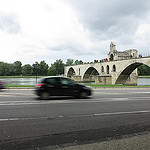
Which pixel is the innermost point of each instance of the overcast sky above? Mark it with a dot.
(36, 30)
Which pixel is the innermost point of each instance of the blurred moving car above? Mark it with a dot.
(2, 85)
(61, 86)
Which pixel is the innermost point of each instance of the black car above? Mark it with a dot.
(60, 86)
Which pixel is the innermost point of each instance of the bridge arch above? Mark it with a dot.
(124, 75)
(91, 71)
(71, 72)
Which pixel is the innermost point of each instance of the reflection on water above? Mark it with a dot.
(20, 81)
(32, 81)
(143, 81)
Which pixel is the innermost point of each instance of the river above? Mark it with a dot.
(32, 81)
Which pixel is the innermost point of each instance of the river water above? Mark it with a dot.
(32, 81)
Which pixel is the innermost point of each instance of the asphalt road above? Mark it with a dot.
(27, 122)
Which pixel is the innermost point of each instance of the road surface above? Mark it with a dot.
(28, 122)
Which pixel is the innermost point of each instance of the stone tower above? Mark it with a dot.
(112, 46)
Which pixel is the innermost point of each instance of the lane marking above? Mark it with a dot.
(121, 113)
(72, 101)
(73, 116)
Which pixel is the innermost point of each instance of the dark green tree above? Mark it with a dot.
(43, 68)
(40, 68)
(143, 70)
(5, 69)
(36, 68)
(17, 68)
(57, 68)
(27, 70)
(78, 62)
(69, 62)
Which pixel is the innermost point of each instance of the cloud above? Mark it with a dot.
(9, 24)
(47, 30)
(116, 19)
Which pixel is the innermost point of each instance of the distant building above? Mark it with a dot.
(120, 55)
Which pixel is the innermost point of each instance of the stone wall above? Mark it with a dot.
(103, 80)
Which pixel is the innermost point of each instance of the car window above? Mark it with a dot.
(66, 81)
(51, 81)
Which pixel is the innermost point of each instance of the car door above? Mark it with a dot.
(66, 87)
(53, 86)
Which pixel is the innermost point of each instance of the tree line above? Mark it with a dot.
(37, 68)
(43, 69)
(143, 70)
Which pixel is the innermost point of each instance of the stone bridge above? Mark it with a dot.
(119, 68)
(111, 72)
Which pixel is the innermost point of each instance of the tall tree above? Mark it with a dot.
(143, 70)
(27, 70)
(43, 68)
(36, 68)
(17, 66)
(5, 69)
(57, 68)
(69, 62)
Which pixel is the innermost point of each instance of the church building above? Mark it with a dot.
(120, 55)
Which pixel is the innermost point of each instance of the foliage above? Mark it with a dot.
(27, 70)
(78, 62)
(69, 62)
(143, 70)
(57, 68)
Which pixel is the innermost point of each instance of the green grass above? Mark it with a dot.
(94, 85)
(143, 76)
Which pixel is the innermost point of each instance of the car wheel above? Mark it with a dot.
(83, 94)
(44, 95)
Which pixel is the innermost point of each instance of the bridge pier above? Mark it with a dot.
(103, 79)
(76, 78)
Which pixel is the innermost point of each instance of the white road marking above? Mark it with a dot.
(74, 116)
(121, 113)
(71, 101)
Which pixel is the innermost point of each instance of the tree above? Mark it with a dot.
(5, 69)
(36, 68)
(69, 62)
(17, 68)
(78, 62)
(27, 70)
(143, 70)
(40, 68)
(57, 68)
(43, 68)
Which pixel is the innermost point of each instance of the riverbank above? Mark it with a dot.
(148, 76)
(144, 76)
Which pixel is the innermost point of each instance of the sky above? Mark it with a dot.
(36, 30)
